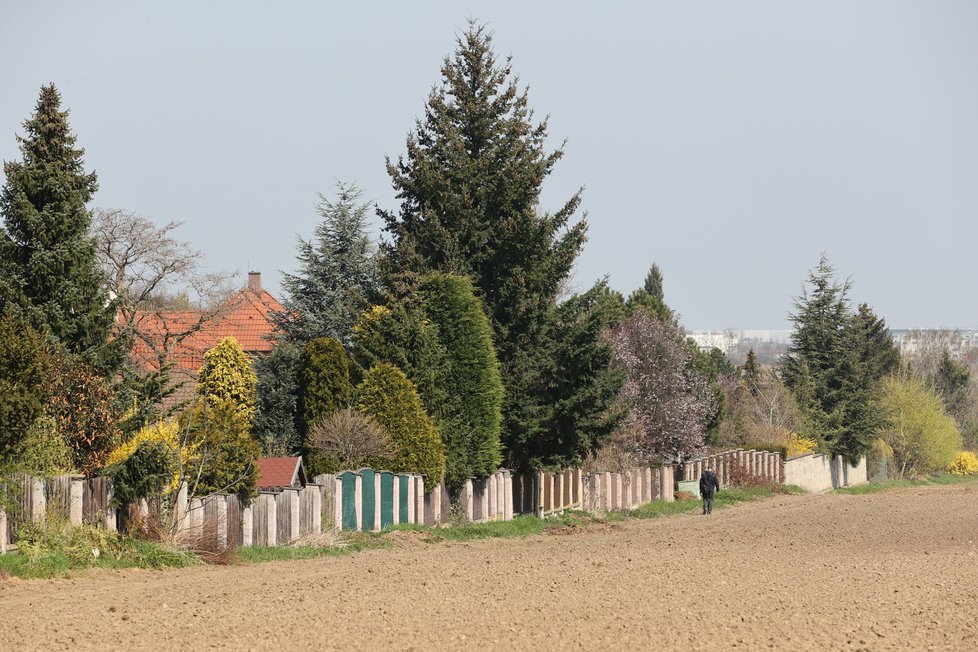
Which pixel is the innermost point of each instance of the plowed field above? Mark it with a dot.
(895, 570)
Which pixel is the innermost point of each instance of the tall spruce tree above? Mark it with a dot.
(337, 278)
(827, 370)
(47, 253)
(651, 298)
(469, 188)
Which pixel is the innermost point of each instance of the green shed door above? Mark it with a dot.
(369, 500)
(386, 499)
(348, 482)
(402, 508)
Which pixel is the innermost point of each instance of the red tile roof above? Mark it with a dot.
(248, 320)
(276, 472)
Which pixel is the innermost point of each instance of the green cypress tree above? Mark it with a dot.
(653, 283)
(470, 418)
(47, 253)
(391, 399)
(650, 297)
(337, 277)
(470, 188)
(324, 381)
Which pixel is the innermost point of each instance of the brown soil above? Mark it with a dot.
(896, 570)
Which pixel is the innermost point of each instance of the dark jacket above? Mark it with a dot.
(709, 483)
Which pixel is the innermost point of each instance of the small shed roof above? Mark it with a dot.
(281, 472)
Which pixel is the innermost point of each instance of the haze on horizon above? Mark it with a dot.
(730, 143)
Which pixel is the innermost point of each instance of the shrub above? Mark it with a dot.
(44, 451)
(471, 416)
(388, 396)
(143, 474)
(966, 463)
(348, 440)
(923, 437)
(795, 444)
(227, 376)
(224, 453)
(165, 433)
(23, 381)
(325, 380)
(81, 404)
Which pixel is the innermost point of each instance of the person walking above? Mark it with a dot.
(709, 484)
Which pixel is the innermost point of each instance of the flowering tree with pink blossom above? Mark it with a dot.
(665, 398)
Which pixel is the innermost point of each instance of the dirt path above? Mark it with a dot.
(897, 570)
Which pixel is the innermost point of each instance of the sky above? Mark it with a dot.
(730, 142)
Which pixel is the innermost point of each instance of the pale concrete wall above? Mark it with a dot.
(823, 472)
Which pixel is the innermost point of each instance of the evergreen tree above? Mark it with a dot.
(337, 277)
(879, 352)
(390, 398)
(277, 394)
(952, 382)
(227, 376)
(469, 420)
(324, 381)
(827, 370)
(469, 189)
(24, 369)
(584, 384)
(402, 335)
(651, 298)
(653, 283)
(751, 372)
(47, 254)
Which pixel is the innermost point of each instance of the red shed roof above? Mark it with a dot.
(276, 472)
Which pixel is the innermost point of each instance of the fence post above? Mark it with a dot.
(419, 515)
(271, 523)
(493, 500)
(38, 500)
(222, 521)
(396, 499)
(180, 516)
(358, 500)
(108, 519)
(507, 495)
(3, 532)
(247, 526)
(75, 503)
(337, 503)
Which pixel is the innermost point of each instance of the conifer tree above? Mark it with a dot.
(751, 371)
(469, 419)
(324, 381)
(827, 370)
(651, 298)
(469, 188)
(337, 278)
(388, 396)
(227, 376)
(277, 396)
(47, 253)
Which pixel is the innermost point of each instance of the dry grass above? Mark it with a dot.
(326, 539)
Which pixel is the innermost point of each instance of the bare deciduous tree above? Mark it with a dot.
(351, 438)
(164, 295)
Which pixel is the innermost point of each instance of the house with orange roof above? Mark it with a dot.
(184, 336)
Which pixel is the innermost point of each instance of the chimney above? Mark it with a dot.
(254, 282)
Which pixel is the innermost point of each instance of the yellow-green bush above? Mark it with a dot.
(227, 375)
(391, 399)
(966, 463)
(796, 444)
(165, 432)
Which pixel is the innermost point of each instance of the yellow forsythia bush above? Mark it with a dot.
(966, 463)
(167, 432)
(796, 445)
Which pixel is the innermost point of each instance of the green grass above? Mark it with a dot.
(33, 561)
(350, 542)
(876, 487)
(724, 498)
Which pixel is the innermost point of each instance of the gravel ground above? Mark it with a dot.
(893, 570)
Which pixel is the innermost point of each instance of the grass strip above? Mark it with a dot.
(876, 487)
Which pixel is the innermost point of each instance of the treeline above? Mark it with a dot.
(449, 348)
